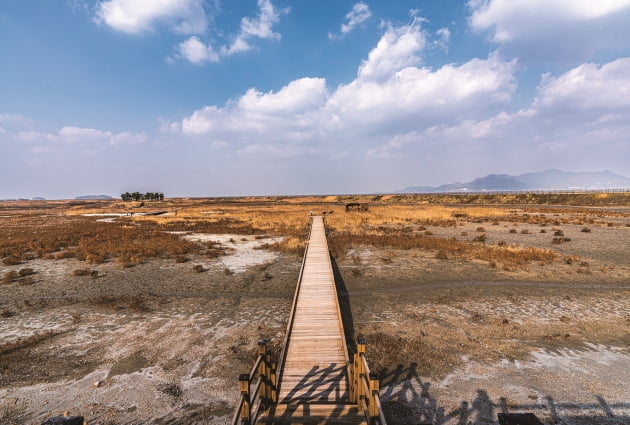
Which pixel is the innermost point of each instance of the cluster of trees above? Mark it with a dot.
(137, 196)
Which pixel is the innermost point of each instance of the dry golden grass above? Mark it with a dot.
(389, 223)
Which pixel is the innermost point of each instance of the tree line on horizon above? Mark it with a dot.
(137, 196)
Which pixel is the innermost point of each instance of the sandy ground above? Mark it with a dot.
(455, 341)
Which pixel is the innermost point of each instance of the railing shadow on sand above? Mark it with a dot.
(407, 400)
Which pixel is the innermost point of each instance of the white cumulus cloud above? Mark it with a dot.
(135, 16)
(573, 116)
(359, 13)
(390, 92)
(556, 30)
(195, 51)
(198, 52)
(259, 27)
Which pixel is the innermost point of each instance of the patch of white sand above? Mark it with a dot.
(247, 251)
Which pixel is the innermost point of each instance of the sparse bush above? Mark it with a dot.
(267, 276)
(26, 272)
(513, 231)
(428, 233)
(481, 229)
(441, 255)
(85, 272)
(9, 276)
(558, 233)
(198, 268)
(356, 272)
(543, 231)
(11, 260)
(524, 232)
(495, 223)
(481, 238)
(464, 233)
(181, 259)
(501, 243)
(228, 271)
(585, 230)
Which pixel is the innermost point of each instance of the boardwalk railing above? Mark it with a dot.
(265, 392)
(365, 386)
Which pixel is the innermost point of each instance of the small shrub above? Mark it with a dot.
(441, 255)
(26, 272)
(481, 238)
(495, 223)
(9, 276)
(5, 314)
(585, 230)
(428, 233)
(228, 271)
(464, 233)
(524, 232)
(493, 264)
(181, 259)
(85, 272)
(558, 233)
(267, 276)
(64, 254)
(501, 243)
(94, 259)
(198, 268)
(543, 231)
(513, 231)
(356, 272)
(11, 260)
(481, 229)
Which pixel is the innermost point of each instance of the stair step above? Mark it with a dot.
(313, 414)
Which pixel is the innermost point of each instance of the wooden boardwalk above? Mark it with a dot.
(316, 356)
(313, 381)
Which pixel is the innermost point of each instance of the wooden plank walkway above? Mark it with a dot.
(313, 381)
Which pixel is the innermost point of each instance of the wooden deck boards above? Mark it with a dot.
(314, 377)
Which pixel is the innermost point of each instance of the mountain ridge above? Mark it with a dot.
(551, 179)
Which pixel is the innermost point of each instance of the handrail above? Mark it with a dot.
(364, 386)
(264, 392)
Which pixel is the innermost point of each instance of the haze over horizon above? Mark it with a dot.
(216, 98)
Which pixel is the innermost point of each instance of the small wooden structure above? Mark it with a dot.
(358, 206)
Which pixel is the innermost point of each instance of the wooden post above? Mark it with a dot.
(246, 410)
(262, 369)
(352, 394)
(359, 370)
(274, 383)
(374, 389)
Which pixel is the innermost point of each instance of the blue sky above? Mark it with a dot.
(211, 98)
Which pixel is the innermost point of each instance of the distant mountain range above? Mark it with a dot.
(543, 180)
(91, 197)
